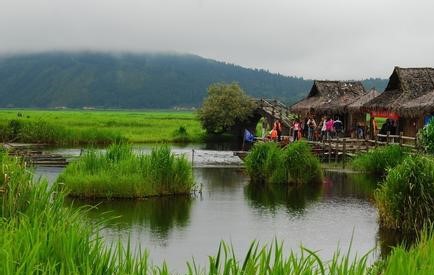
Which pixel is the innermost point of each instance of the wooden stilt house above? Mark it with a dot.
(331, 98)
(409, 96)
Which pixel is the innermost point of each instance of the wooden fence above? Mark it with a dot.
(340, 149)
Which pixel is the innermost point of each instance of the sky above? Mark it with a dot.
(319, 39)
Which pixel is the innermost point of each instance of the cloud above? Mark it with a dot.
(333, 39)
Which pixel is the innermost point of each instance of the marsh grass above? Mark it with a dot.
(120, 173)
(377, 161)
(405, 200)
(39, 235)
(301, 165)
(295, 164)
(78, 127)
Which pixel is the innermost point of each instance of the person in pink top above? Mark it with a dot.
(329, 128)
(296, 129)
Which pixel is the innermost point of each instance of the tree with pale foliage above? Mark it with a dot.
(226, 107)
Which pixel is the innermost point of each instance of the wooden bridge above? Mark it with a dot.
(341, 149)
(272, 110)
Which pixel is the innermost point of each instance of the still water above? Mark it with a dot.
(176, 229)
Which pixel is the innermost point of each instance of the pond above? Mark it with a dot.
(176, 229)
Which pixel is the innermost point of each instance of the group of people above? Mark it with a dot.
(326, 128)
(276, 132)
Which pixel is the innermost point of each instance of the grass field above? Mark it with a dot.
(70, 127)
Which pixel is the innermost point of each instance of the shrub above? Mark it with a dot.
(406, 198)
(377, 161)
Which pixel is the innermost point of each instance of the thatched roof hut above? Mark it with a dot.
(408, 92)
(329, 97)
(357, 105)
(419, 106)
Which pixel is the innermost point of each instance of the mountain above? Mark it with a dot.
(106, 80)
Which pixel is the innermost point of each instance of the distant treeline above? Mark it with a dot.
(105, 80)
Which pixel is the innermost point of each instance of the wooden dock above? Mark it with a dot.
(32, 155)
(343, 149)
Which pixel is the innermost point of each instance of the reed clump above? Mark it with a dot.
(294, 165)
(120, 173)
(418, 259)
(405, 200)
(38, 235)
(377, 161)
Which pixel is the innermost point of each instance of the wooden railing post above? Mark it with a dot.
(366, 143)
(400, 138)
(344, 152)
(336, 149)
(330, 150)
(387, 138)
(376, 141)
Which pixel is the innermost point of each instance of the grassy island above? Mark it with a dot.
(294, 165)
(120, 173)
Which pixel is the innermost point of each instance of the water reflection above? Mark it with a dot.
(355, 185)
(296, 199)
(156, 215)
(272, 198)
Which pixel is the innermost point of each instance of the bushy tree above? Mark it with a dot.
(226, 106)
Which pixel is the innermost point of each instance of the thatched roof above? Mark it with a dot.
(357, 105)
(329, 97)
(419, 106)
(405, 88)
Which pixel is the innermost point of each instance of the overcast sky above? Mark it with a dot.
(322, 39)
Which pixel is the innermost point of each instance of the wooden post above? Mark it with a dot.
(400, 138)
(366, 143)
(416, 141)
(336, 149)
(387, 138)
(344, 151)
(376, 142)
(192, 157)
(330, 150)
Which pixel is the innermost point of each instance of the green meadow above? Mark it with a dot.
(74, 127)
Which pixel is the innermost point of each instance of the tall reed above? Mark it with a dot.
(405, 200)
(120, 173)
(377, 161)
(294, 165)
(301, 165)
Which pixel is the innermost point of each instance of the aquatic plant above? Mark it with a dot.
(120, 173)
(377, 161)
(262, 162)
(294, 165)
(418, 259)
(405, 200)
(181, 135)
(300, 164)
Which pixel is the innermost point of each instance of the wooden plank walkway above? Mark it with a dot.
(32, 156)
